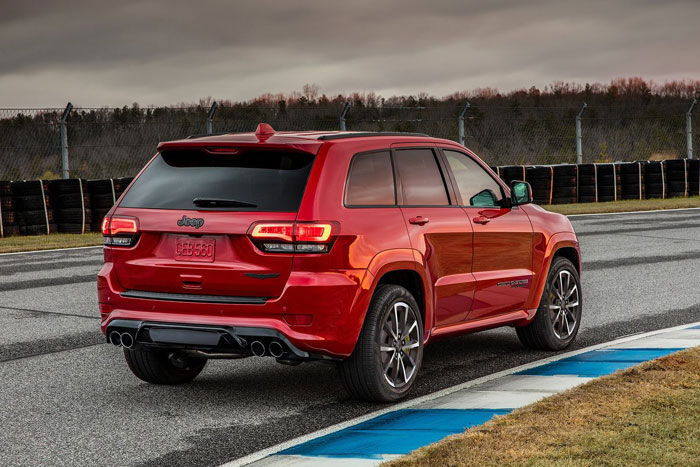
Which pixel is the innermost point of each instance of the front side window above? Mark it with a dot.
(421, 179)
(475, 185)
(371, 181)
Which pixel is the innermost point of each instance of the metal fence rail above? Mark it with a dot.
(117, 142)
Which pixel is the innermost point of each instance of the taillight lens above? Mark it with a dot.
(120, 231)
(291, 237)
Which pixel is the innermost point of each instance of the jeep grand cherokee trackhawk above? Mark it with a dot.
(354, 248)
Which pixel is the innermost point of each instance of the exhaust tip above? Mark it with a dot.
(115, 338)
(127, 340)
(276, 349)
(257, 348)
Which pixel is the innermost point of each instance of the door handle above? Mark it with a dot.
(481, 220)
(420, 220)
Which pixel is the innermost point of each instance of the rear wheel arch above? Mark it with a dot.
(410, 280)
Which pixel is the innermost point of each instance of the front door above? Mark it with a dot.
(502, 261)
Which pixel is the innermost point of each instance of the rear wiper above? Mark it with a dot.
(222, 203)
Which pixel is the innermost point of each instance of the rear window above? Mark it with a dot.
(371, 181)
(254, 180)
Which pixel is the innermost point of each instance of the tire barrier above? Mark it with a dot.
(600, 182)
(654, 179)
(607, 182)
(71, 201)
(676, 178)
(565, 184)
(40, 207)
(541, 179)
(32, 207)
(632, 180)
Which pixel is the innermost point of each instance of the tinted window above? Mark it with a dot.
(271, 180)
(476, 186)
(420, 178)
(371, 181)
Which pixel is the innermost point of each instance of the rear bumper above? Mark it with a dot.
(335, 300)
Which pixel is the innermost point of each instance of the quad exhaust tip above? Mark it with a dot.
(257, 348)
(127, 340)
(276, 349)
(115, 338)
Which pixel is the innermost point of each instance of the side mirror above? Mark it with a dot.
(520, 193)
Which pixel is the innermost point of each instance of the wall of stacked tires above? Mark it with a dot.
(594, 183)
(39, 207)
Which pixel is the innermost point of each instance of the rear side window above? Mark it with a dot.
(475, 185)
(371, 181)
(421, 179)
(252, 180)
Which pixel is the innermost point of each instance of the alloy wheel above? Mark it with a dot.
(399, 342)
(564, 304)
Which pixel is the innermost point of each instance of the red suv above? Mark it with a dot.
(354, 248)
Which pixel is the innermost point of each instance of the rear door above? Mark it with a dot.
(438, 230)
(502, 263)
(202, 247)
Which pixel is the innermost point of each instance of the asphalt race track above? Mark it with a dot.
(69, 399)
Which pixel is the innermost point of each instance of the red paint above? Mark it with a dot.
(319, 301)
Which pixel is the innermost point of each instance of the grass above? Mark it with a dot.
(48, 242)
(625, 205)
(646, 415)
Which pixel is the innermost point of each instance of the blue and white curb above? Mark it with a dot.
(402, 428)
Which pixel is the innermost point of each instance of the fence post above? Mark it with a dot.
(210, 117)
(461, 123)
(64, 141)
(689, 128)
(579, 146)
(346, 107)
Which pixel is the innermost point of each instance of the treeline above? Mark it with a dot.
(627, 119)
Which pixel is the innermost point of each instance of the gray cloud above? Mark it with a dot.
(161, 52)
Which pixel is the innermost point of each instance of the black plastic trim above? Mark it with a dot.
(183, 297)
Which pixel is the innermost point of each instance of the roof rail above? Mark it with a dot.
(368, 133)
(204, 135)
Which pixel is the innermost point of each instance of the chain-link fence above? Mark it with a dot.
(117, 142)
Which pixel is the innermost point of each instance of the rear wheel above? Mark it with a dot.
(558, 317)
(160, 366)
(389, 351)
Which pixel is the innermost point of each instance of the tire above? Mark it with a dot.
(366, 373)
(31, 202)
(65, 186)
(76, 228)
(159, 366)
(72, 216)
(71, 200)
(28, 188)
(7, 203)
(547, 330)
(560, 192)
(101, 201)
(99, 187)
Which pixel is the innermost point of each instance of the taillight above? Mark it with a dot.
(120, 231)
(291, 237)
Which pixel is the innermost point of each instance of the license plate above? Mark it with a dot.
(200, 249)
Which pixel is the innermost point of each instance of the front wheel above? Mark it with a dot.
(389, 351)
(160, 366)
(558, 317)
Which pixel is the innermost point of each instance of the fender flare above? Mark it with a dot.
(555, 243)
(382, 263)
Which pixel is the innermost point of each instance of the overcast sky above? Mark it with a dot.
(107, 53)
